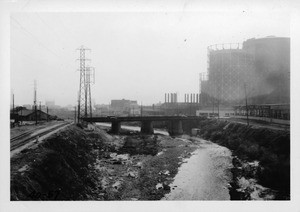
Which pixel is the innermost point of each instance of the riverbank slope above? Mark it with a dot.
(266, 151)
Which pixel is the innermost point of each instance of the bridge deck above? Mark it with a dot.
(141, 118)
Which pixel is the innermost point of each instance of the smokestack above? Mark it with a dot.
(165, 97)
(168, 97)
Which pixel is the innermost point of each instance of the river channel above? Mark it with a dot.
(204, 176)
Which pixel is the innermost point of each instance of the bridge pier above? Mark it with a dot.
(115, 127)
(175, 127)
(147, 127)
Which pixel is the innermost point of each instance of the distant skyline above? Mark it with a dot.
(136, 55)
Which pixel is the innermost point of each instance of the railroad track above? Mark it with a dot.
(24, 138)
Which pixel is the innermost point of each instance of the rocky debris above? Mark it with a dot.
(117, 185)
(105, 167)
(160, 153)
(166, 187)
(159, 186)
(138, 164)
(163, 186)
(23, 168)
(254, 191)
(165, 172)
(132, 174)
(104, 183)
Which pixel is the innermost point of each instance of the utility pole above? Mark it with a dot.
(213, 106)
(13, 109)
(246, 104)
(219, 102)
(177, 105)
(47, 114)
(75, 115)
(40, 114)
(21, 118)
(34, 102)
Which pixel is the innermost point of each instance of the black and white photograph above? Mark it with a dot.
(180, 103)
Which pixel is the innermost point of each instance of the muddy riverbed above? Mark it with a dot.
(84, 164)
(204, 176)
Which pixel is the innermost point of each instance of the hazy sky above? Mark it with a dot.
(136, 55)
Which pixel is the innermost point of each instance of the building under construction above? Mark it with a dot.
(258, 69)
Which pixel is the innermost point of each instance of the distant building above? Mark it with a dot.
(101, 110)
(29, 115)
(28, 106)
(123, 106)
(50, 104)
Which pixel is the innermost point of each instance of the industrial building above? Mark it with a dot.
(275, 113)
(272, 69)
(230, 70)
(258, 69)
(123, 106)
(29, 115)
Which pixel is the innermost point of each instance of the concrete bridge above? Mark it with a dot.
(175, 122)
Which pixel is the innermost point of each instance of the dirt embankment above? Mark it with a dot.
(91, 165)
(262, 157)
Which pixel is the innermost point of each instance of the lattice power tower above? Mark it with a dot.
(87, 77)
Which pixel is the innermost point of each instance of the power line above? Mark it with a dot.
(37, 40)
(53, 31)
(34, 37)
(32, 58)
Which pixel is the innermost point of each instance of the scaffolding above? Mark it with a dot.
(230, 68)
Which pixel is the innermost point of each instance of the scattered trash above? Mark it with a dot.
(23, 168)
(117, 185)
(104, 183)
(166, 187)
(139, 164)
(166, 172)
(132, 174)
(159, 186)
(160, 153)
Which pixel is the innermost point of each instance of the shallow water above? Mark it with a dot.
(204, 176)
